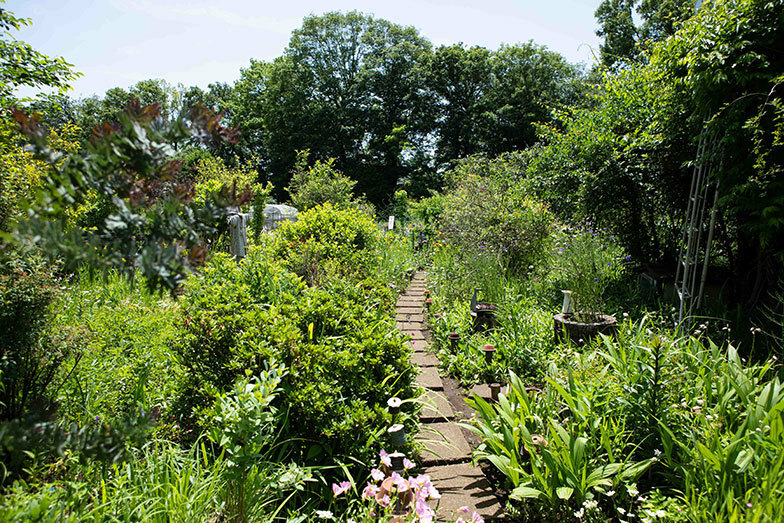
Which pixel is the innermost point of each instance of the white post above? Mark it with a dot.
(567, 303)
(391, 224)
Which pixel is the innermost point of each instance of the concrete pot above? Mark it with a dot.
(566, 326)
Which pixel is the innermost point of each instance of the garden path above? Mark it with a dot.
(447, 455)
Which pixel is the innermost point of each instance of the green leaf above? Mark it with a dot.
(564, 492)
(523, 492)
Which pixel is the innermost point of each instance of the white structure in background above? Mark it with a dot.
(275, 215)
(391, 224)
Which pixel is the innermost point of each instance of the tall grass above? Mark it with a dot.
(127, 363)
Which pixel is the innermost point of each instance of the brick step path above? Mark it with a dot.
(447, 455)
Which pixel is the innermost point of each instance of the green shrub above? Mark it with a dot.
(328, 241)
(344, 357)
(31, 352)
(587, 262)
(494, 214)
(319, 184)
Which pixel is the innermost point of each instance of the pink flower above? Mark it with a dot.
(377, 475)
(339, 489)
(399, 482)
(370, 491)
(423, 511)
(476, 518)
(385, 500)
(407, 464)
(419, 481)
(385, 458)
(463, 509)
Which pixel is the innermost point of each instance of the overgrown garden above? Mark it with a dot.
(147, 374)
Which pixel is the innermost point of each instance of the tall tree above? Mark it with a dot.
(489, 101)
(348, 86)
(21, 65)
(460, 79)
(623, 39)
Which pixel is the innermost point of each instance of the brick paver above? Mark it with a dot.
(446, 456)
(463, 485)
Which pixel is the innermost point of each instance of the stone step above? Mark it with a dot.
(409, 302)
(409, 310)
(429, 378)
(409, 316)
(414, 334)
(424, 359)
(463, 485)
(444, 444)
(406, 326)
(435, 408)
(419, 345)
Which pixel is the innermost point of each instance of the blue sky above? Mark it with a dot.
(196, 42)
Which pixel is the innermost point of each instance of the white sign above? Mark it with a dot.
(391, 223)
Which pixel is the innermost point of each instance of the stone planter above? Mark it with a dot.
(566, 326)
(483, 318)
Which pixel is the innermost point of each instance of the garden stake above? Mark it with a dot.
(489, 353)
(397, 435)
(403, 498)
(453, 339)
(394, 404)
(495, 389)
(397, 462)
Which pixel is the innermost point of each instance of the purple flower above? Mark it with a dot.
(628, 257)
(385, 459)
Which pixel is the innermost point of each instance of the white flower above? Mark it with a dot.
(621, 511)
(579, 514)
(656, 452)
(611, 493)
(324, 514)
(632, 491)
(590, 504)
